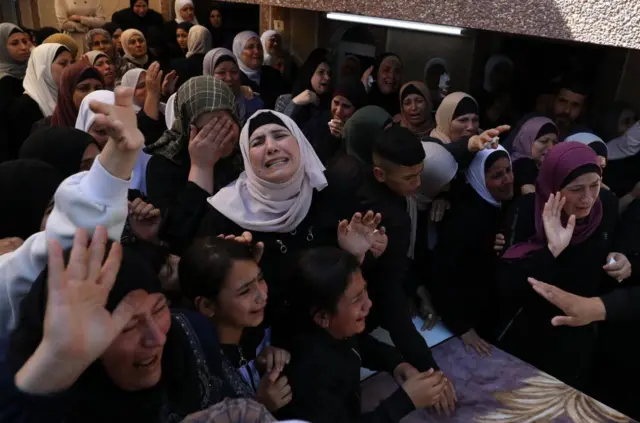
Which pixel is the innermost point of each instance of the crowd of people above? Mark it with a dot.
(195, 226)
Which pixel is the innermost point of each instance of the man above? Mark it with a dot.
(568, 106)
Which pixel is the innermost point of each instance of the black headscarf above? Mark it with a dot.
(26, 188)
(220, 35)
(44, 33)
(353, 90)
(607, 124)
(111, 27)
(389, 102)
(94, 397)
(61, 147)
(303, 82)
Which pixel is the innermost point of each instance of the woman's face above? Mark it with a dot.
(390, 75)
(140, 8)
(625, 121)
(89, 156)
(140, 92)
(464, 126)
(107, 69)
(321, 79)
(204, 118)
(63, 60)
(543, 146)
(602, 162)
(84, 88)
(19, 47)
(252, 55)
(243, 298)
(499, 179)
(133, 361)
(215, 18)
(101, 43)
(581, 194)
(137, 45)
(116, 38)
(182, 37)
(273, 44)
(341, 108)
(228, 72)
(414, 108)
(186, 13)
(274, 153)
(352, 310)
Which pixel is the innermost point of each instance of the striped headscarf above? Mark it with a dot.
(195, 97)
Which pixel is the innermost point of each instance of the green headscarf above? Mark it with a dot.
(362, 129)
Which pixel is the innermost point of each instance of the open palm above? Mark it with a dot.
(358, 235)
(558, 235)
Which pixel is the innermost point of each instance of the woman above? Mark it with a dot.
(41, 82)
(330, 350)
(262, 79)
(271, 43)
(326, 130)
(15, 49)
(146, 364)
(77, 19)
(465, 240)
(78, 80)
(182, 36)
(222, 280)
(198, 44)
(184, 12)
(563, 234)
(68, 150)
(223, 65)
(495, 99)
(530, 143)
(311, 93)
(105, 66)
(30, 184)
(595, 143)
(415, 109)
(87, 123)
(115, 31)
(384, 83)
(216, 25)
(200, 103)
(620, 128)
(66, 41)
(99, 40)
(134, 45)
(436, 76)
(138, 16)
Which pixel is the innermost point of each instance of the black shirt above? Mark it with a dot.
(272, 85)
(525, 172)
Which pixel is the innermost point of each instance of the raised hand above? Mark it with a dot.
(471, 339)
(247, 238)
(618, 266)
(357, 236)
(558, 236)
(119, 120)
(77, 327)
(336, 127)
(486, 139)
(365, 77)
(380, 242)
(169, 84)
(306, 97)
(144, 219)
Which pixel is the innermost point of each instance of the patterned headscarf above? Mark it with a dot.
(198, 95)
(232, 410)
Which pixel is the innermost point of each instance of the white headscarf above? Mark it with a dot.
(38, 82)
(130, 80)
(238, 46)
(440, 167)
(433, 62)
(212, 57)
(626, 145)
(263, 38)
(85, 115)
(587, 138)
(94, 55)
(493, 61)
(199, 40)
(169, 112)
(476, 176)
(179, 5)
(8, 66)
(257, 205)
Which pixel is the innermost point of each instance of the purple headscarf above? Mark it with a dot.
(560, 162)
(527, 135)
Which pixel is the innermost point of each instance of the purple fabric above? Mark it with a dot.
(560, 162)
(523, 142)
(500, 388)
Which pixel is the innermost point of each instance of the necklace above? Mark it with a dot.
(243, 361)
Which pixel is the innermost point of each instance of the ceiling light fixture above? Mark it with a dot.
(395, 23)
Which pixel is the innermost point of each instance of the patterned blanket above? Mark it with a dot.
(498, 389)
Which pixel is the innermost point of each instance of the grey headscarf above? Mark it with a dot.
(8, 66)
(362, 128)
(198, 95)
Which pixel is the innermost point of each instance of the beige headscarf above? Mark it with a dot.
(124, 38)
(258, 205)
(427, 125)
(444, 116)
(199, 40)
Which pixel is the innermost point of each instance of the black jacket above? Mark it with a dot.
(272, 85)
(127, 20)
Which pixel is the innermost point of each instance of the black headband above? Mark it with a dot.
(600, 148)
(411, 89)
(466, 106)
(494, 157)
(225, 58)
(264, 119)
(546, 129)
(579, 171)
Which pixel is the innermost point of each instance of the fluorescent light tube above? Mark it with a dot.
(395, 23)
